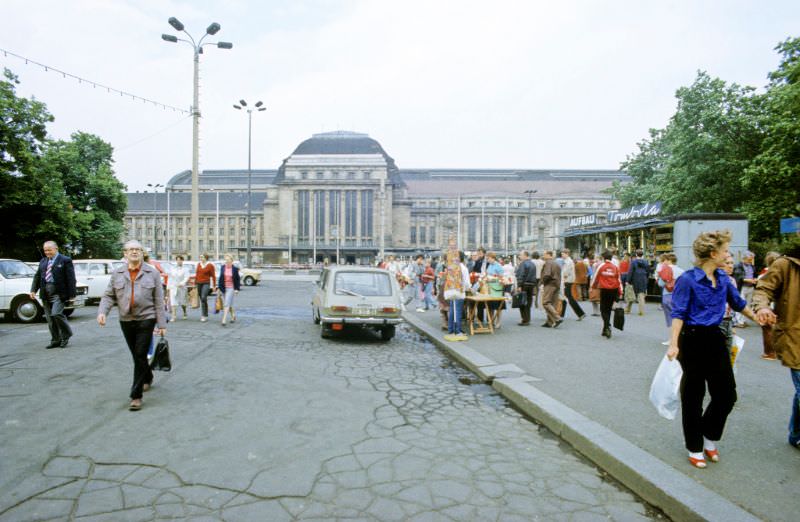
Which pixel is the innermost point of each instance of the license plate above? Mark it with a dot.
(363, 310)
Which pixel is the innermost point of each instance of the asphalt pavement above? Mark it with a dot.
(608, 381)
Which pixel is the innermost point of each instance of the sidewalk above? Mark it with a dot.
(593, 392)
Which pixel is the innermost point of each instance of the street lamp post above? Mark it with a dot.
(258, 107)
(155, 217)
(197, 47)
(530, 194)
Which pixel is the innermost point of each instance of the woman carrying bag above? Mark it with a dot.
(698, 306)
(229, 284)
(607, 279)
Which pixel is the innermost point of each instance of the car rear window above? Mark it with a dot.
(362, 283)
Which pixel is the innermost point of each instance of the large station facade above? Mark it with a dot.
(340, 196)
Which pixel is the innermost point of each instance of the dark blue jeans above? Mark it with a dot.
(454, 315)
(794, 421)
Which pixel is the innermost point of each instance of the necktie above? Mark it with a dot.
(48, 275)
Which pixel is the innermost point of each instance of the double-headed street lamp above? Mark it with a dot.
(155, 187)
(197, 46)
(258, 108)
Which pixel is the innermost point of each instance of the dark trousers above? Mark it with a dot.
(607, 299)
(54, 313)
(203, 289)
(572, 302)
(705, 360)
(139, 336)
(525, 311)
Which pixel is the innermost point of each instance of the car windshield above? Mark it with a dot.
(12, 269)
(362, 283)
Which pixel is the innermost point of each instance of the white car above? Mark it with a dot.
(96, 274)
(16, 279)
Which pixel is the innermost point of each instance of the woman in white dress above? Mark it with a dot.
(176, 285)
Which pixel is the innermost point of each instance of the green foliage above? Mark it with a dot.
(726, 149)
(61, 191)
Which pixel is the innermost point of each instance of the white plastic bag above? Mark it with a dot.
(664, 390)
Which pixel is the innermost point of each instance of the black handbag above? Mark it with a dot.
(519, 300)
(161, 359)
(619, 318)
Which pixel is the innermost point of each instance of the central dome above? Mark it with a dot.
(339, 142)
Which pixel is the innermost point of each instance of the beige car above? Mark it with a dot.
(248, 276)
(16, 279)
(364, 297)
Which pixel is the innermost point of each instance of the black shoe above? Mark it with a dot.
(64, 342)
(580, 318)
(547, 325)
(53, 344)
(523, 323)
(558, 323)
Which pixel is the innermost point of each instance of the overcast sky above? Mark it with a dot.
(567, 84)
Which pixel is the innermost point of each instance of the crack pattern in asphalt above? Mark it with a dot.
(436, 449)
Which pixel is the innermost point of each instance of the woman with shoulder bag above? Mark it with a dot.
(607, 279)
(228, 284)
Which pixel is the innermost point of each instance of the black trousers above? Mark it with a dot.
(572, 302)
(203, 289)
(705, 361)
(139, 336)
(54, 313)
(525, 311)
(607, 299)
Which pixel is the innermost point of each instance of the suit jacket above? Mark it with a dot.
(63, 277)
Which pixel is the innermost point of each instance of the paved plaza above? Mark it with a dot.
(608, 381)
(263, 420)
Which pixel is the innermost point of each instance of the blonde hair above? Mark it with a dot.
(228, 256)
(709, 242)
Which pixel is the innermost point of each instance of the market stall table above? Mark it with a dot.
(471, 304)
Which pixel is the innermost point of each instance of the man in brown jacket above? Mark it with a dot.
(551, 284)
(136, 290)
(781, 286)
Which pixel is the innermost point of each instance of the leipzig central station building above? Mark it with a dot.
(340, 197)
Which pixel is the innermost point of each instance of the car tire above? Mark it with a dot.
(249, 281)
(26, 310)
(387, 332)
(315, 313)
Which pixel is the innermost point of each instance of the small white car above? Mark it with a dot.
(16, 279)
(96, 274)
(366, 297)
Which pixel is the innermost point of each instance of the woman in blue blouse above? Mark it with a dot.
(698, 306)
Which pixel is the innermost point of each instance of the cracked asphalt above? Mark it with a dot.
(263, 420)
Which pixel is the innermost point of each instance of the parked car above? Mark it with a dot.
(365, 297)
(96, 273)
(16, 279)
(249, 276)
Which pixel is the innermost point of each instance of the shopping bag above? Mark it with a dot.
(194, 299)
(161, 360)
(519, 300)
(594, 295)
(736, 349)
(218, 304)
(619, 318)
(664, 389)
(629, 293)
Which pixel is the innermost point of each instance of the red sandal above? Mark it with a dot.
(697, 463)
(713, 455)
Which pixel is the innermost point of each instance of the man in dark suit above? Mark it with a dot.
(55, 281)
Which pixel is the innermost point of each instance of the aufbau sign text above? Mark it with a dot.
(582, 221)
(635, 212)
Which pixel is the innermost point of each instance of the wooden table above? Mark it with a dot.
(471, 303)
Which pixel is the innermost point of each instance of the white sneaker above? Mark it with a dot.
(421, 310)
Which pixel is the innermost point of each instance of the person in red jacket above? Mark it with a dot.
(607, 279)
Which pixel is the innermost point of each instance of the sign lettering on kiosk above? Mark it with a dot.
(582, 221)
(635, 212)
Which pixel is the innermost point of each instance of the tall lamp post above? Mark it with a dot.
(530, 194)
(155, 217)
(258, 107)
(197, 46)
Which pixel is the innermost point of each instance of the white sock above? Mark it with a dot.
(698, 456)
(709, 444)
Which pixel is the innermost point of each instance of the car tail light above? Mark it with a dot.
(389, 310)
(340, 308)
(337, 326)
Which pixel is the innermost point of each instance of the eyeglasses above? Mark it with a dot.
(133, 250)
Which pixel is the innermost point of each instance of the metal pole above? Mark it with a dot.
(249, 176)
(155, 226)
(383, 218)
(313, 204)
(291, 225)
(506, 227)
(458, 241)
(217, 249)
(169, 231)
(195, 252)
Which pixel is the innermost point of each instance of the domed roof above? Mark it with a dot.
(339, 142)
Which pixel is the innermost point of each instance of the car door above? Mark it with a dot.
(100, 275)
(319, 291)
(82, 277)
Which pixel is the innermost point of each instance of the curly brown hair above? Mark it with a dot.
(709, 242)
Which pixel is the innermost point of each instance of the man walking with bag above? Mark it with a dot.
(136, 290)
(55, 281)
(551, 284)
(526, 282)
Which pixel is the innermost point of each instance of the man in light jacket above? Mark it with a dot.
(136, 290)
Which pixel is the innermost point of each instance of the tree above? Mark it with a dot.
(96, 196)
(772, 181)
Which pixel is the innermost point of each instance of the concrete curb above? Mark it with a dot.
(658, 483)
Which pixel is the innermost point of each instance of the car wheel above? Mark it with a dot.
(387, 332)
(249, 281)
(26, 310)
(315, 313)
